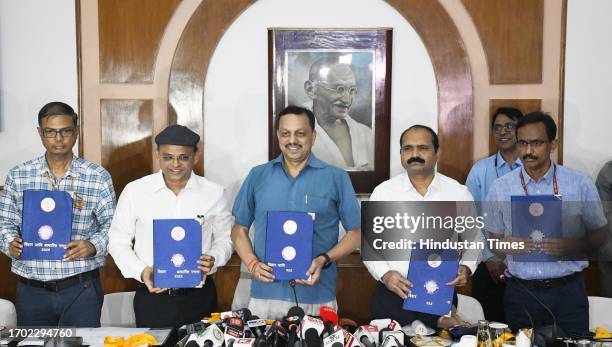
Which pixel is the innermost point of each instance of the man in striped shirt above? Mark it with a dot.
(59, 292)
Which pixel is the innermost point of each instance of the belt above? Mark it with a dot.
(551, 282)
(58, 285)
(170, 291)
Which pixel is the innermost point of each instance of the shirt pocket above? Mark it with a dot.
(319, 205)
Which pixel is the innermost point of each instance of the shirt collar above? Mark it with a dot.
(312, 161)
(435, 183)
(160, 184)
(73, 169)
(501, 162)
(547, 176)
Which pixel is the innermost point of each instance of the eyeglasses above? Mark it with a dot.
(534, 143)
(508, 127)
(52, 133)
(340, 89)
(183, 158)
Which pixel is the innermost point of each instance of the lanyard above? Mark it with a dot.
(555, 186)
(77, 200)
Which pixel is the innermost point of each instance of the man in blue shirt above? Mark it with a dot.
(486, 286)
(296, 181)
(558, 285)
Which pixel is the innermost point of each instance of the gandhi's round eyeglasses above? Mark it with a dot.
(340, 89)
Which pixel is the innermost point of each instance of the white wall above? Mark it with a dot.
(236, 91)
(37, 65)
(588, 86)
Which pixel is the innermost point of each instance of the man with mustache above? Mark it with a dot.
(296, 181)
(558, 285)
(419, 147)
(342, 141)
(486, 286)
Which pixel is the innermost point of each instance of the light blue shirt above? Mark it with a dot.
(581, 211)
(319, 188)
(480, 179)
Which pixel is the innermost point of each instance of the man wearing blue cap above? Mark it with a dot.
(172, 193)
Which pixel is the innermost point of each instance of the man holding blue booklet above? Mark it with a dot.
(550, 276)
(52, 290)
(174, 193)
(296, 181)
(419, 150)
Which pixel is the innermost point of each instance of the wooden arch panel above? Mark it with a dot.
(130, 37)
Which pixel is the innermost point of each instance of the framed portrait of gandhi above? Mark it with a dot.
(344, 77)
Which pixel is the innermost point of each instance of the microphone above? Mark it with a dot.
(330, 320)
(312, 328)
(548, 334)
(277, 333)
(257, 326)
(291, 322)
(348, 325)
(350, 340)
(212, 337)
(234, 329)
(58, 341)
(244, 342)
(392, 340)
(334, 340)
(366, 335)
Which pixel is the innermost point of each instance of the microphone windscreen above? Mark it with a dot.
(296, 311)
(328, 314)
(312, 338)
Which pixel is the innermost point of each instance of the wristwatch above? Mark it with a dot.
(328, 260)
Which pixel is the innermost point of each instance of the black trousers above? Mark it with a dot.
(489, 294)
(386, 304)
(568, 302)
(163, 310)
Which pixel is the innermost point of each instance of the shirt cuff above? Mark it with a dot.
(471, 264)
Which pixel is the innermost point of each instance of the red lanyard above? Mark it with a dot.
(555, 186)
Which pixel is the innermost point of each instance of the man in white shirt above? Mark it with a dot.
(421, 182)
(173, 192)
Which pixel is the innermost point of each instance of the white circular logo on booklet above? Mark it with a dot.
(536, 209)
(177, 260)
(177, 233)
(434, 260)
(290, 227)
(45, 232)
(47, 204)
(288, 253)
(431, 287)
(537, 236)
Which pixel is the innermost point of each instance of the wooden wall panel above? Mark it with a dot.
(191, 59)
(454, 81)
(8, 280)
(512, 35)
(126, 139)
(524, 105)
(129, 33)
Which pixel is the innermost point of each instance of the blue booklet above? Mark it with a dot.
(289, 244)
(177, 247)
(536, 217)
(46, 226)
(429, 272)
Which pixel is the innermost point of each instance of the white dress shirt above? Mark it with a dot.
(362, 146)
(442, 188)
(148, 198)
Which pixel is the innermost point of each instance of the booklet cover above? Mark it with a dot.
(289, 244)
(177, 247)
(429, 272)
(536, 217)
(46, 226)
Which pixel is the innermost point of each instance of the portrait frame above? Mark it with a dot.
(292, 52)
